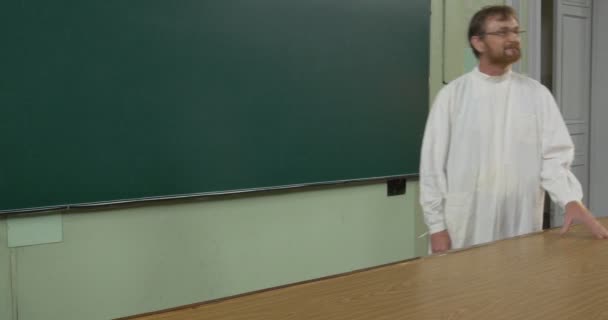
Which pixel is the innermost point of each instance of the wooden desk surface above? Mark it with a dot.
(538, 276)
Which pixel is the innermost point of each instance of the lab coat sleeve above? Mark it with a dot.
(435, 145)
(558, 153)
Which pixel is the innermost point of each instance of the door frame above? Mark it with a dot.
(533, 31)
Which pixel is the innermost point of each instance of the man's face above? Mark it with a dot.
(501, 39)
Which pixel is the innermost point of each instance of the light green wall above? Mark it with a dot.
(5, 284)
(122, 262)
(435, 83)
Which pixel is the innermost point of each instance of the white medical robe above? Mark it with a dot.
(492, 146)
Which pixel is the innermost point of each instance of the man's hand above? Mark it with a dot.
(440, 241)
(576, 211)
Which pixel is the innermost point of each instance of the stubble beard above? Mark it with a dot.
(506, 58)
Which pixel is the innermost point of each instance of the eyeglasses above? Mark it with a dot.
(503, 33)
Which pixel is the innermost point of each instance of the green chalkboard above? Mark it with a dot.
(109, 100)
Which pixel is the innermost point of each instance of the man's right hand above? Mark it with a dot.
(440, 241)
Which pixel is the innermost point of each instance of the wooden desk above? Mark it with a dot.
(538, 276)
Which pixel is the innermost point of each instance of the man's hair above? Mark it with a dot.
(478, 21)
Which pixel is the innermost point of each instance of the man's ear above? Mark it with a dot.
(478, 44)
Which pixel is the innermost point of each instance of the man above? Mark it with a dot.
(495, 141)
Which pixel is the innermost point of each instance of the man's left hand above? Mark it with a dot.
(576, 211)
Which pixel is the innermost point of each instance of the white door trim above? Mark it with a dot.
(572, 81)
(534, 39)
(533, 45)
